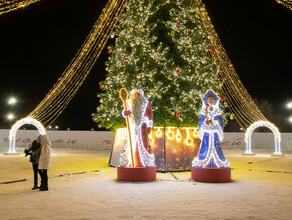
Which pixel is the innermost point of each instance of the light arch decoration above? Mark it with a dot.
(12, 133)
(272, 127)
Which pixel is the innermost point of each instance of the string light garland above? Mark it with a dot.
(241, 104)
(12, 5)
(73, 77)
(286, 3)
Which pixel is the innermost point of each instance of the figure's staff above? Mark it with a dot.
(124, 97)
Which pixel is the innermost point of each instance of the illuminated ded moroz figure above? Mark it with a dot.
(210, 154)
(140, 124)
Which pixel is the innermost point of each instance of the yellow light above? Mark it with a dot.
(170, 133)
(189, 141)
(178, 135)
(151, 139)
(286, 3)
(12, 5)
(196, 132)
(158, 133)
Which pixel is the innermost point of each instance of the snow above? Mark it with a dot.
(261, 189)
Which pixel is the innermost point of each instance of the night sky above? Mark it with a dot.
(38, 42)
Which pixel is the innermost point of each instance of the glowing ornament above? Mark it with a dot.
(101, 87)
(221, 99)
(211, 50)
(123, 60)
(106, 69)
(177, 24)
(109, 51)
(231, 117)
(177, 72)
(119, 20)
(177, 114)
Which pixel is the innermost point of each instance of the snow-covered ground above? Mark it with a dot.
(261, 189)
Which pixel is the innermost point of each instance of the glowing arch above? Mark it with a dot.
(16, 126)
(274, 129)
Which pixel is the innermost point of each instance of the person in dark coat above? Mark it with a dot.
(34, 152)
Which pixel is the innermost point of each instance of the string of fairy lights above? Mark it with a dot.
(12, 5)
(241, 104)
(286, 3)
(73, 77)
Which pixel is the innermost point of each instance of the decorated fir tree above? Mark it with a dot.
(161, 47)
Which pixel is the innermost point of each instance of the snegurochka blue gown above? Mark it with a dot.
(210, 153)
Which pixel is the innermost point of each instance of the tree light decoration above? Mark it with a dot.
(274, 129)
(158, 132)
(151, 139)
(121, 135)
(286, 3)
(178, 136)
(189, 141)
(170, 133)
(17, 125)
(161, 46)
(12, 5)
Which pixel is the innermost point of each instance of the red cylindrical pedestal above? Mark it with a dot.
(136, 174)
(211, 175)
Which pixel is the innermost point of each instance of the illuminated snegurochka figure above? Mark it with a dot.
(141, 122)
(211, 133)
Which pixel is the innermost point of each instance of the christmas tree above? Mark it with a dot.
(160, 46)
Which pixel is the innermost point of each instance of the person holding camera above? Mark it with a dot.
(34, 151)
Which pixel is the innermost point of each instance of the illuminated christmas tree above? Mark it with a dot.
(161, 47)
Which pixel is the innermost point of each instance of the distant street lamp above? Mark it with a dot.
(12, 101)
(56, 127)
(290, 119)
(10, 116)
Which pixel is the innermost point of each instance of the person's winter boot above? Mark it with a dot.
(35, 187)
(42, 183)
(44, 188)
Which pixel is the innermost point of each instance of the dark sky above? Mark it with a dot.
(38, 42)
